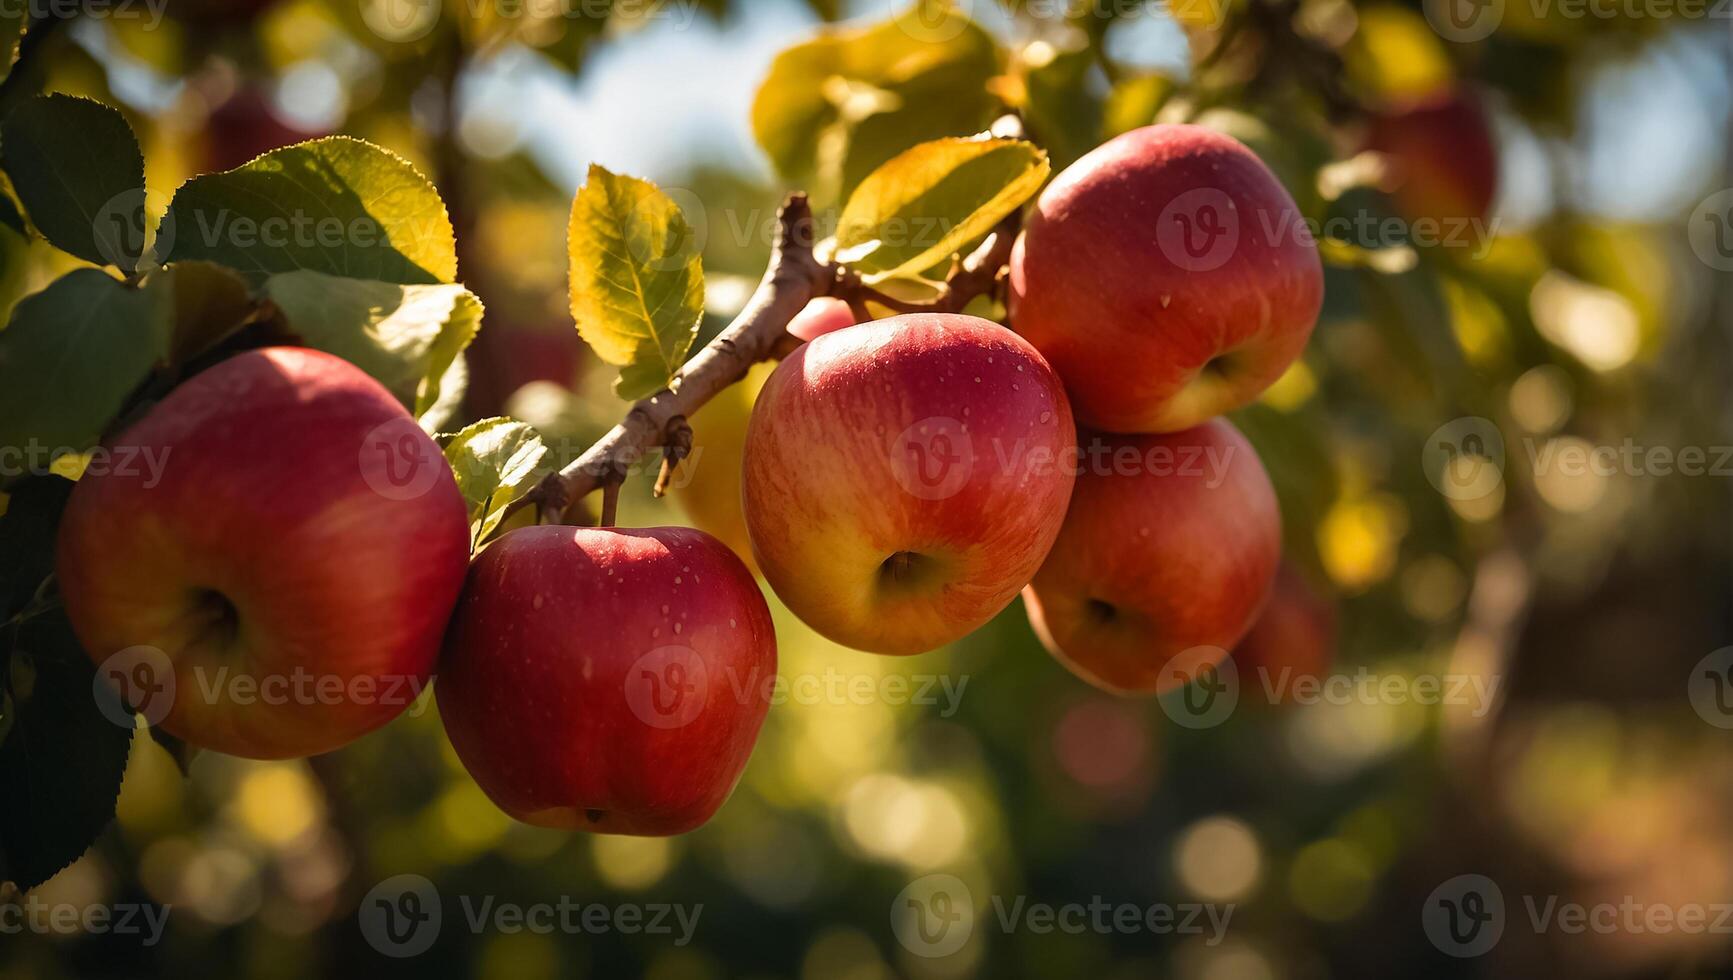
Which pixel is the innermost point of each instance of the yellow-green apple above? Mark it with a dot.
(904, 478)
(1293, 638)
(607, 679)
(821, 316)
(1442, 158)
(288, 564)
(1168, 277)
(1165, 558)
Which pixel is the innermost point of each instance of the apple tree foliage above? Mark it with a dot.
(873, 120)
(374, 283)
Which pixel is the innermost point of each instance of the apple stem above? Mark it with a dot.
(677, 446)
(610, 503)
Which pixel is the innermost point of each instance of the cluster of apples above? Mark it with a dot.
(902, 481)
(905, 479)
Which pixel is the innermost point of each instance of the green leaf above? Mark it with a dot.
(834, 108)
(338, 205)
(62, 760)
(72, 353)
(68, 359)
(496, 461)
(78, 172)
(404, 336)
(925, 204)
(637, 287)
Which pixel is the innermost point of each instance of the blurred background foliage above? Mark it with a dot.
(1582, 317)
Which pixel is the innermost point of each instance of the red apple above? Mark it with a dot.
(288, 540)
(823, 315)
(1168, 277)
(904, 478)
(1293, 638)
(1166, 556)
(607, 679)
(1442, 159)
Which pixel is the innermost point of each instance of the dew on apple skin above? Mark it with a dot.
(536, 603)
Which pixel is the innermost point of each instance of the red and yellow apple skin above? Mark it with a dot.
(1158, 561)
(826, 314)
(905, 477)
(303, 531)
(606, 679)
(1294, 637)
(1168, 277)
(1442, 159)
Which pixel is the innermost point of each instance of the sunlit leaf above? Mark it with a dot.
(405, 336)
(339, 206)
(637, 287)
(928, 202)
(496, 461)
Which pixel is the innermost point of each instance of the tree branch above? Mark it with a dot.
(793, 278)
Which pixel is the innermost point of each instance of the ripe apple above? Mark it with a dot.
(607, 679)
(1168, 277)
(1294, 637)
(821, 316)
(1443, 161)
(1166, 556)
(287, 539)
(904, 478)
